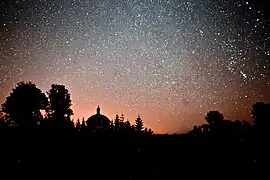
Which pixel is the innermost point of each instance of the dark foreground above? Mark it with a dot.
(47, 153)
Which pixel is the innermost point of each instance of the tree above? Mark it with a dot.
(116, 123)
(73, 122)
(138, 124)
(111, 124)
(83, 125)
(214, 117)
(59, 101)
(261, 115)
(121, 122)
(150, 131)
(127, 125)
(78, 124)
(59, 105)
(122, 118)
(70, 121)
(24, 103)
(133, 128)
(145, 130)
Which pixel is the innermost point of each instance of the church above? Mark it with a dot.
(98, 122)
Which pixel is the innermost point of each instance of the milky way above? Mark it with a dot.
(169, 61)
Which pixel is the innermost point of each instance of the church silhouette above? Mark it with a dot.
(98, 122)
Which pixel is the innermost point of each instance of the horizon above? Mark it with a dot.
(170, 61)
(111, 115)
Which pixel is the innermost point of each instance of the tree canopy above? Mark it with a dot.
(24, 103)
(59, 102)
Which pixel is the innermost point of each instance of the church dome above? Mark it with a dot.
(98, 121)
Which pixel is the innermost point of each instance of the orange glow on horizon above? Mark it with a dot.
(80, 112)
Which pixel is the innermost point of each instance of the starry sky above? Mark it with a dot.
(171, 61)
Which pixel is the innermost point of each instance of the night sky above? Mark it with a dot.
(171, 61)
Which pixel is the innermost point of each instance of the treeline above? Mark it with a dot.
(217, 129)
(118, 124)
(23, 107)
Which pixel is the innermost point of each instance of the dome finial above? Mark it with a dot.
(98, 110)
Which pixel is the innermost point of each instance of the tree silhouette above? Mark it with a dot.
(261, 115)
(78, 124)
(122, 118)
(59, 102)
(70, 121)
(24, 103)
(138, 124)
(122, 123)
(83, 124)
(127, 125)
(111, 127)
(59, 106)
(133, 128)
(214, 117)
(150, 131)
(116, 123)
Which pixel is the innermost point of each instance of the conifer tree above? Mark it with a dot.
(112, 124)
(127, 125)
(83, 124)
(138, 124)
(133, 128)
(122, 118)
(122, 123)
(117, 123)
(145, 130)
(78, 124)
(150, 131)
